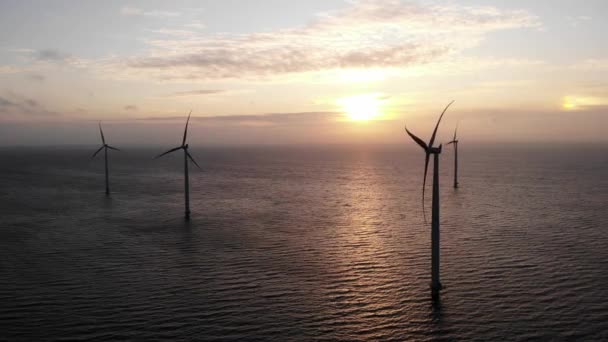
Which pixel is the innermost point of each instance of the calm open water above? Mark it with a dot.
(303, 244)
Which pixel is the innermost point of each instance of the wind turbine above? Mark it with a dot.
(435, 151)
(105, 147)
(187, 156)
(455, 142)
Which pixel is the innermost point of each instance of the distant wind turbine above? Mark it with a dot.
(435, 151)
(187, 156)
(455, 142)
(105, 147)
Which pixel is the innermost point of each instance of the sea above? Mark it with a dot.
(304, 243)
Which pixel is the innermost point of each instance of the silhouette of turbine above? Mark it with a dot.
(105, 147)
(455, 142)
(187, 156)
(435, 151)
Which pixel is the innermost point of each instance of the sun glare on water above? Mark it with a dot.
(362, 107)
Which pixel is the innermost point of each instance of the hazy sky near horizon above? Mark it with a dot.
(318, 71)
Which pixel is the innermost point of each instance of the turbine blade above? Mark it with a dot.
(437, 126)
(192, 160)
(451, 142)
(171, 150)
(416, 139)
(113, 148)
(94, 154)
(103, 139)
(186, 129)
(456, 130)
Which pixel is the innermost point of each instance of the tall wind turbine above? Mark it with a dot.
(105, 147)
(435, 151)
(455, 142)
(187, 156)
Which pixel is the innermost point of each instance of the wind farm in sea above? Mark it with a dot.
(429, 150)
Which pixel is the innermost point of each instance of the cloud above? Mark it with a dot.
(4, 103)
(174, 32)
(592, 64)
(20, 107)
(379, 34)
(525, 125)
(51, 55)
(198, 92)
(36, 77)
(130, 108)
(135, 11)
(196, 25)
(577, 20)
(268, 119)
(9, 69)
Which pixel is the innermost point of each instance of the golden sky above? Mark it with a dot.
(302, 72)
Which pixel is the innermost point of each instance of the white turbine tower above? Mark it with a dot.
(105, 147)
(435, 151)
(187, 156)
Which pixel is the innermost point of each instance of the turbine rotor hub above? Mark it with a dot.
(435, 150)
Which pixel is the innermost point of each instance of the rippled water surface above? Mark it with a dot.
(303, 244)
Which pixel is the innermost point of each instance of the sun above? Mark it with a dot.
(569, 103)
(363, 107)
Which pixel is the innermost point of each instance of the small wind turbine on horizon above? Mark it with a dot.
(187, 156)
(435, 151)
(105, 147)
(455, 142)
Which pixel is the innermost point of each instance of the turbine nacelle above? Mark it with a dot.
(184, 146)
(103, 143)
(435, 150)
(454, 140)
